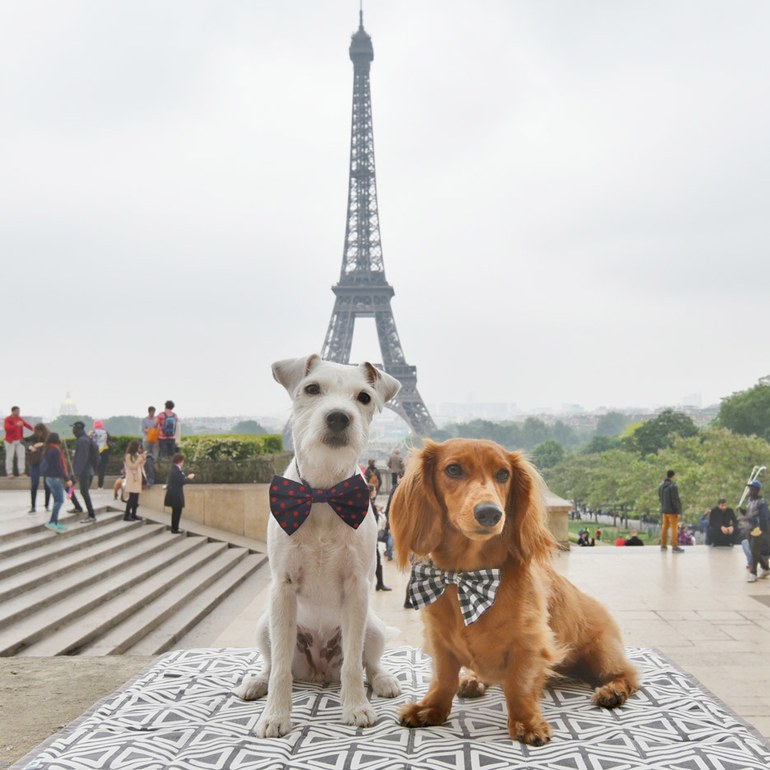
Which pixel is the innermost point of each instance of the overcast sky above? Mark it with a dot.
(573, 198)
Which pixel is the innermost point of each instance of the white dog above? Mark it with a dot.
(318, 626)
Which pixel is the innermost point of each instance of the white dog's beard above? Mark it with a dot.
(320, 450)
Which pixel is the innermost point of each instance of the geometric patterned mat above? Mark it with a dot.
(181, 713)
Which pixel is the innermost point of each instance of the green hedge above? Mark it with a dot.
(220, 459)
(229, 447)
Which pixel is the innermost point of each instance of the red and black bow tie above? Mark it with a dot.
(290, 501)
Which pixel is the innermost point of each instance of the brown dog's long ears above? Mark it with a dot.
(415, 513)
(528, 536)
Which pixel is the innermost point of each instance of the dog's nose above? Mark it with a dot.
(487, 514)
(337, 421)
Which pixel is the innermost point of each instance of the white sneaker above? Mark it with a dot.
(763, 573)
(752, 578)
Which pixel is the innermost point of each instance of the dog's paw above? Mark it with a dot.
(611, 695)
(359, 716)
(534, 732)
(471, 687)
(273, 725)
(251, 688)
(385, 685)
(422, 715)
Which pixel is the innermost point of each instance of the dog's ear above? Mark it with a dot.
(291, 371)
(384, 385)
(527, 535)
(416, 516)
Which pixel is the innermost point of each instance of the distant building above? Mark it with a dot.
(68, 406)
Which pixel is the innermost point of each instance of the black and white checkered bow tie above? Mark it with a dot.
(476, 590)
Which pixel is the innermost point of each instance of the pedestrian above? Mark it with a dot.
(84, 465)
(395, 466)
(36, 451)
(149, 468)
(150, 433)
(372, 476)
(104, 444)
(175, 490)
(14, 448)
(670, 510)
(758, 517)
(54, 467)
(723, 525)
(133, 463)
(168, 430)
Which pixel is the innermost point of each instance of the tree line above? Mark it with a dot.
(620, 465)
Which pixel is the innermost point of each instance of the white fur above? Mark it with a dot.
(322, 574)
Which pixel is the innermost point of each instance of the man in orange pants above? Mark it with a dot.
(670, 511)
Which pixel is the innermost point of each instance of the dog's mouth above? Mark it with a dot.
(335, 440)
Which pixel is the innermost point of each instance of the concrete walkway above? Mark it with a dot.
(695, 607)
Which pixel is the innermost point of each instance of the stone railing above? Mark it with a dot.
(244, 508)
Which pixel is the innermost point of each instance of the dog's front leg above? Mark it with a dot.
(356, 709)
(434, 708)
(276, 718)
(523, 687)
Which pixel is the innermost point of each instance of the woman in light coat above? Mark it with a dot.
(134, 465)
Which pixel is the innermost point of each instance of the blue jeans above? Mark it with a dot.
(56, 487)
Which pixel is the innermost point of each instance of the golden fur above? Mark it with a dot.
(540, 625)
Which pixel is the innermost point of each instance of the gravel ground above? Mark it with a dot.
(39, 696)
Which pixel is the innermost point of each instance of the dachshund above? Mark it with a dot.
(465, 506)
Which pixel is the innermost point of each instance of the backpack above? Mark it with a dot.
(169, 426)
(93, 454)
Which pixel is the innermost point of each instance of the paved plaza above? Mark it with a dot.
(695, 607)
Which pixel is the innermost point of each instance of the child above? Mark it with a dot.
(175, 491)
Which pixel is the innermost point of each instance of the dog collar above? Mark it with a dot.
(291, 501)
(476, 590)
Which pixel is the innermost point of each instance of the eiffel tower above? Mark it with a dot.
(363, 291)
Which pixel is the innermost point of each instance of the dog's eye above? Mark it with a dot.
(313, 389)
(364, 397)
(502, 476)
(454, 471)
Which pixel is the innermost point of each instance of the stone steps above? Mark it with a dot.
(111, 587)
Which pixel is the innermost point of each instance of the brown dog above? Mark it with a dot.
(469, 505)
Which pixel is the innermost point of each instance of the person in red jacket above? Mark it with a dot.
(14, 432)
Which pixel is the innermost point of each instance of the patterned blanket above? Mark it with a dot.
(181, 714)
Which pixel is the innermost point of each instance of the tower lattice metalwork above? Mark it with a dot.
(363, 291)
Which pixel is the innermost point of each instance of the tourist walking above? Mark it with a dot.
(133, 463)
(14, 448)
(396, 467)
(758, 517)
(83, 467)
(36, 451)
(670, 511)
(175, 490)
(54, 467)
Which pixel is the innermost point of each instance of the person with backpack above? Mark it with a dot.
(84, 466)
(168, 430)
(104, 443)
